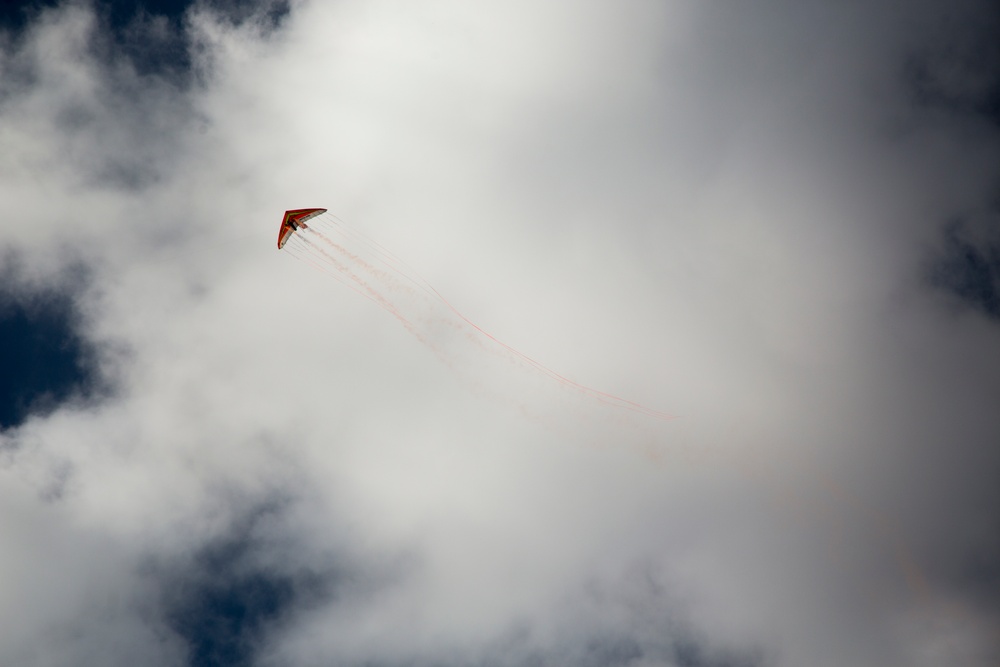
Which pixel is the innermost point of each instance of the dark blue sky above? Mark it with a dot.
(963, 82)
(118, 14)
(43, 358)
(224, 601)
(127, 30)
(16, 14)
(969, 271)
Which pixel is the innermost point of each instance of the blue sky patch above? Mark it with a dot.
(969, 270)
(227, 600)
(44, 360)
(150, 34)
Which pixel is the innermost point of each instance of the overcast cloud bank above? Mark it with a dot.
(778, 222)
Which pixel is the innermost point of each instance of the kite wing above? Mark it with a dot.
(295, 219)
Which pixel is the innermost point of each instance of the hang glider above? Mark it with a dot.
(295, 220)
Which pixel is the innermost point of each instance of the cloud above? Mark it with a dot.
(742, 216)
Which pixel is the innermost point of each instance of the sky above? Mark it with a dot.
(776, 222)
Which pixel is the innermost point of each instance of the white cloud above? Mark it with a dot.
(719, 212)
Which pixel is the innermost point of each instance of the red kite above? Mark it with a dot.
(294, 220)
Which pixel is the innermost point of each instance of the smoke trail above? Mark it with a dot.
(370, 269)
